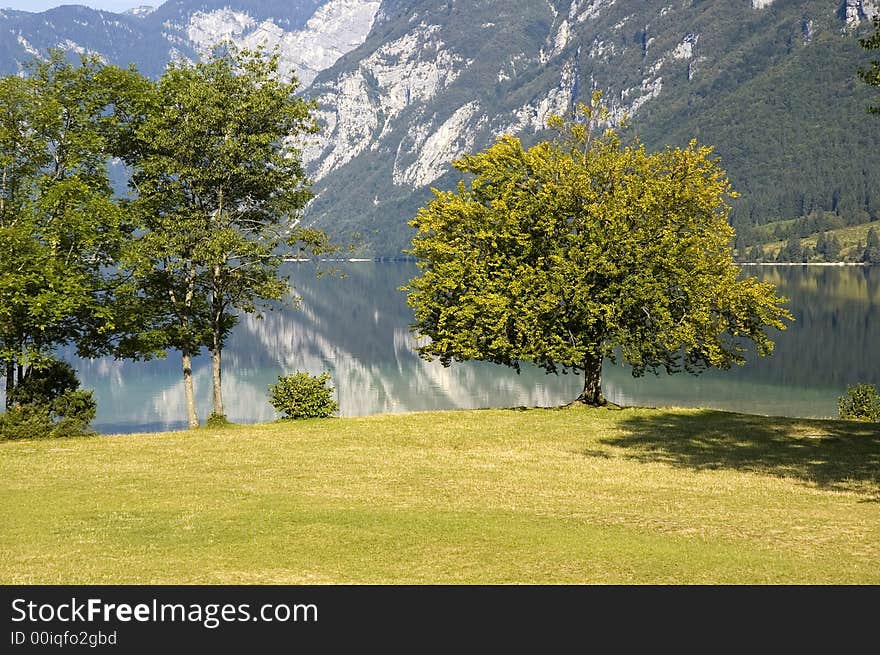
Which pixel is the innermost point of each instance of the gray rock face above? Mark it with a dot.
(310, 34)
(854, 12)
(807, 30)
(429, 86)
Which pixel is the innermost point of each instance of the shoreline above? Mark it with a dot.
(393, 260)
(802, 264)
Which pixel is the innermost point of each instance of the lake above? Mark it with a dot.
(357, 328)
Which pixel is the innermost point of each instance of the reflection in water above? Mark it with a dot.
(833, 342)
(357, 328)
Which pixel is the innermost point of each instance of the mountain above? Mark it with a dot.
(771, 84)
(404, 86)
(311, 34)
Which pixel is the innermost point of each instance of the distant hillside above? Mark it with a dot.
(774, 88)
(845, 244)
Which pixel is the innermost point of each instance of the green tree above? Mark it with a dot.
(585, 248)
(822, 245)
(871, 253)
(832, 249)
(22, 154)
(756, 254)
(792, 251)
(807, 253)
(861, 402)
(872, 75)
(47, 402)
(60, 227)
(220, 187)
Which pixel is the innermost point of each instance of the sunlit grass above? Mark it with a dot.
(490, 496)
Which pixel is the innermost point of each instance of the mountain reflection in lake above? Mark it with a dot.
(357, 328)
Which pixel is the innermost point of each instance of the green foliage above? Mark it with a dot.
(773, 90)
(60, 227)
(220, 187)
(821, 225)
(43, 385)
(824, 238)
(872, 75)
(303, 396)
(828, 247)
(860, 402)
(871, 254)
(25, 422)
(756, 254)
(217, 421)
(71, 413)
(792, 251)
(584, 248)
(48, 403)
(783, 157)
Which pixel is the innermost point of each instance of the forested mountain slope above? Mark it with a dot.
(405, 86)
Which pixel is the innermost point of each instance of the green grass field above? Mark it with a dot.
(489, 496)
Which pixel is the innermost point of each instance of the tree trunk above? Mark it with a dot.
(10, 382)
(592, 393)
(192, 419)
(217, 342)
(185, 315)
(215, 370)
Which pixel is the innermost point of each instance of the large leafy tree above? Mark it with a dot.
(22, 154)
(872, 74)
(220, 186)
(585, 248)
(60, 227)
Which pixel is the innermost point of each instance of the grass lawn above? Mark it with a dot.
(489, 496)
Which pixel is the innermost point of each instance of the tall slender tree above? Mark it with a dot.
(220, 187)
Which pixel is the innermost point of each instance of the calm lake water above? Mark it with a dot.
(357, 328)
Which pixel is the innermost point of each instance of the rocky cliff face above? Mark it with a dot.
(335, 27)
(310, 34)
(437, 79)
(405, 86)
(854, 12)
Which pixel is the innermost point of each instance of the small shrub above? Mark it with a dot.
(48, 403)
(303, 396)
(861, 403)
(25, 422)
(72, 412)
(217, 421)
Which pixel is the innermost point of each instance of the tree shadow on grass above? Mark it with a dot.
(827, 454)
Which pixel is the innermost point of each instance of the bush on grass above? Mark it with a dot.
(48, 403)
(303, 396)
(861, 403)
